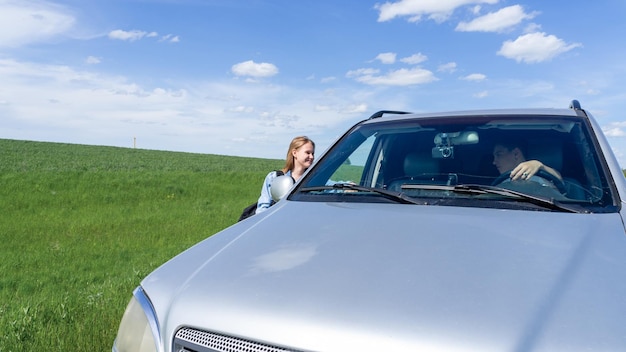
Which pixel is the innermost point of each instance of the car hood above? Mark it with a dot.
(345, 276)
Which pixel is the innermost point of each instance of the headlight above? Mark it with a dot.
(139, 328)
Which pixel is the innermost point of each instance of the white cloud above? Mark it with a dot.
(386, 58)
(81, 98)
(449, 67)
(498, 21)
(476, 9)
(474, 77)
(130, 36)
(355, 109)
(481, 95)
(241, 109)
(437, 10)
(322, 108)
(362, 72)
(614, 131)
(135, 34)
(532, 28)
(401, 77)
(535, 47)
(63, 104)
(23, 23)
(170, 38)
(253, 69)
(92, 60)
(414, 59)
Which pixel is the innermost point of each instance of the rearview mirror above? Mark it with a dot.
(445, 142)
(456, 138)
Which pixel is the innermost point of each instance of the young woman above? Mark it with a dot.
(300, 156)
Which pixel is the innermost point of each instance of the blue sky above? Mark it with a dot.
(237, 77)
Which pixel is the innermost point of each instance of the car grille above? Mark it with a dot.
(188, 339)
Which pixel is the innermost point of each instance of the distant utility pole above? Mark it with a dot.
(134, 142)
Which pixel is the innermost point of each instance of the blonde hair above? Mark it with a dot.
(295, 144)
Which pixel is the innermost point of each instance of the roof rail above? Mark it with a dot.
(575, 105)
(383, 112)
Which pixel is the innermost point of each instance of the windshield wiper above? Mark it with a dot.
(549, 203)
(401, 197)
(396, 196)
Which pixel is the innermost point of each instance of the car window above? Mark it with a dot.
(427, 158)
(352, 168)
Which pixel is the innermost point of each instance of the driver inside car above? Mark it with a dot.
(508, 156)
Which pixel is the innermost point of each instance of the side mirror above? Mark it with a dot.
(280, 186)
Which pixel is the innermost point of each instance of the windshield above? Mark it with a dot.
(467, 161)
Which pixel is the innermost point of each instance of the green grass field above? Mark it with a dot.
(82, 225)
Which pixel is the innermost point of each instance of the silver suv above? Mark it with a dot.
(405, 236)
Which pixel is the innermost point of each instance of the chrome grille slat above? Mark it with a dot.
(210, 341)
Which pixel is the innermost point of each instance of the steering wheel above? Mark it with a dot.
(558, 183)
